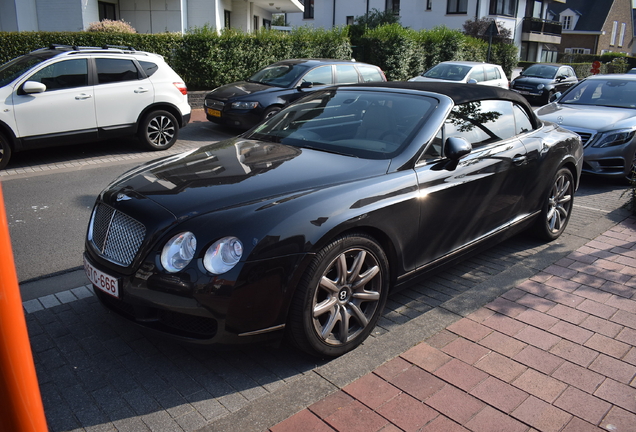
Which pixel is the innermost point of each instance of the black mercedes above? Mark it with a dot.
(302, 226)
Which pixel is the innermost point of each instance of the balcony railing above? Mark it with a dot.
(541, 26)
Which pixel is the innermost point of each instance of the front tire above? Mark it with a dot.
(270, 112)
(340, 298)
(158, 130)
(5, 151)
(557, 206)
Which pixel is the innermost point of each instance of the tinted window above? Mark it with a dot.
(451, 72)
(541, 71)
(149, 67)
(115, 70)
(16, 67)
(346, 74)
(522, 121)
(481, 122)
(319, 76)
(370, 74)
(64, 74)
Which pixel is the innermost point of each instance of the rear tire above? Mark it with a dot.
(557, 207)
(5, 151)
(340, 298)
(158, 130)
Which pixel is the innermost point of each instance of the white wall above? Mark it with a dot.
(60, 15)
(152, 16)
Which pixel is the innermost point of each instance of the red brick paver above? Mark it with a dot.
(555, 354)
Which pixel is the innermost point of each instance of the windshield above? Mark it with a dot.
(602, 92)
(279, 75)
(540, 71)
(451, 72)
(349, 121)
(16, 67)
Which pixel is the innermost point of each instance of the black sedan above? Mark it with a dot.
(539, 82)
(303, 225)
(243, 104)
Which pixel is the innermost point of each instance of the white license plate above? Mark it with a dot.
(523, 92)
(101, 280)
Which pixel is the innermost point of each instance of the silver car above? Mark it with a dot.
(602, 110)
(466, 72)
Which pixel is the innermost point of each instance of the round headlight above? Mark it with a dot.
(178, 252)
(540, 86)
(223, 255)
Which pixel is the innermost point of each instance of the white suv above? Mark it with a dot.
(66, 95)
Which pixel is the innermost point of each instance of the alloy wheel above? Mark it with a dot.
(559, 203)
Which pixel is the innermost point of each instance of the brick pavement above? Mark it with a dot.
(555, 353)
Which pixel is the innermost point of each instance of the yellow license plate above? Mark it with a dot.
(214, 113)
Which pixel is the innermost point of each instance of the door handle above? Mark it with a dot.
(141, 90)
(83, 96)
(519, 159)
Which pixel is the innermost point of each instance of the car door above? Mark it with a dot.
(465, 201)
(122, 92)
(568, 78)
(66, 107)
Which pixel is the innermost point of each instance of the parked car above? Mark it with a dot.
(243, 104)
(68, 95)
(542, 80)
(304, 224)
(632, 71)
(466, 72)
(602, 110)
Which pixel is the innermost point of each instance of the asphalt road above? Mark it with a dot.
(49, 195)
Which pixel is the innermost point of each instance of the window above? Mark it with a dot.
(115, 70)
(350, 20)
(393, 6)
(370, 74)
(63, 75)
(522, 121)
(267, 24)
(566, 22)
(577, 50)
(477, 74)
(319, 76)
(149, 67)
(614, 28)
(621, 39)
(481, 122)
(429, 4)
(346, 74)
(457, 6)
(503, 7)
(106, 11)
(226, 19)
(309, 9)
(492, 73)
(255, 21)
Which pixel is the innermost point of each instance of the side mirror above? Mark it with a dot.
(472, 81)
(306, 84)
(455, 148)
(554, 97)
(33, 87)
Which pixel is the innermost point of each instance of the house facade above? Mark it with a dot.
(536, 36)
(595, 27)
(146, 16)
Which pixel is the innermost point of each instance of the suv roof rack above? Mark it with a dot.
(120, 48)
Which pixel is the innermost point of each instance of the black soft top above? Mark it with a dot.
(459, 92)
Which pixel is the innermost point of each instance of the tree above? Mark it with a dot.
(477, 28)
(278, 19)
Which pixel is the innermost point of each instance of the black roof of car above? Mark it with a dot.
(458, 92)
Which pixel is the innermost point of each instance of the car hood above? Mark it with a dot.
(532, 80)
(239, 89)
(239, 172)
(587, 116)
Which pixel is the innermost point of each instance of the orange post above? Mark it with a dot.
(21, 408)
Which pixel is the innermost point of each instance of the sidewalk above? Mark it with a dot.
(555, 353)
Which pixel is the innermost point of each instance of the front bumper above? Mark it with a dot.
(240, 119)
(613, 162)
(248, 304)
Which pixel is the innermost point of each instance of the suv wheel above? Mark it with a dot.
(5, 151)
(158, 130)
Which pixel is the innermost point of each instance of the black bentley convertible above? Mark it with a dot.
(303, 225)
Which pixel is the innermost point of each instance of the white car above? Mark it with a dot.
(67, 95)
(466, 72)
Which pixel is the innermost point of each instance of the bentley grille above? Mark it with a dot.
(116, 236)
